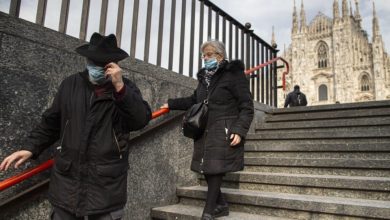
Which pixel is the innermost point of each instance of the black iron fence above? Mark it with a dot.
(167, 40)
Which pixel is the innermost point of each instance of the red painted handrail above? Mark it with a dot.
(25, 175)
(48, 164)
(160, 112)
(268, 63)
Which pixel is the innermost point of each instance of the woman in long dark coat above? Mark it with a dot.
(221, 148)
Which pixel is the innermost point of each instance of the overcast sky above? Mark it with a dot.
(262, 14)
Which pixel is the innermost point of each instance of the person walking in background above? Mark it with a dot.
(91, 115)
(295, 98)
(230, 112)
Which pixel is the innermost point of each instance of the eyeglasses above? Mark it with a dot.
(208, 55)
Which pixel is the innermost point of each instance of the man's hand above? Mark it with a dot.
(19, 157)
(115, 73)
(165, 105)
(236, 139)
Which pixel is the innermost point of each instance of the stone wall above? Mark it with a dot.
(33, 61)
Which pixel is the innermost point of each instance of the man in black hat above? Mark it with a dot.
(91, 115)
(295, 98)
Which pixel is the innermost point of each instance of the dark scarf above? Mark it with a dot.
(210, 73)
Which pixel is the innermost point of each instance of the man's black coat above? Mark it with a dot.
(90, 171)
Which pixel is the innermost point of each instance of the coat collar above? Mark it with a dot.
(235, 65)
(232, 66)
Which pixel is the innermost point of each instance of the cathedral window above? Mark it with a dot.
(323, 93)
(322, 56)
(365, 83)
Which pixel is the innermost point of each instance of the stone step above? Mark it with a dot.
(318, 145)
(254, 137)
(325, 133)
(293, 205)
(346, 171)
(271, 211)
(311, 154)
(193, 212)
(332, 107)
(318, 162)
(290, 116)
(334, 154)
(326, 181)
(376, 188)
(353, 122)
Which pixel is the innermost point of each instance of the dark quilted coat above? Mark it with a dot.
(230, 111)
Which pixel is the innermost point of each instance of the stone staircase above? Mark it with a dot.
(320, 162)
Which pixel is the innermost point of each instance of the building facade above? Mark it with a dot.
(333, 59)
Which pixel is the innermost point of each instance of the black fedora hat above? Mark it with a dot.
(102, 49)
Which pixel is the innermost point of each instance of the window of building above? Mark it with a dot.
(365, 83)
(322, 56)
(323, 93)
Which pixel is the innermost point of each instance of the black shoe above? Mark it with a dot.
(221, 210)
(206, 216)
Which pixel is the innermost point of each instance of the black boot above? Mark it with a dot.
(221, 210)
(206, 216)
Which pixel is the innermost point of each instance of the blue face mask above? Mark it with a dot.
(211, 63)
(96, 74)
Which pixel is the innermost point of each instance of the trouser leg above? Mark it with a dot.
(61, 214)
(213, 192)
(115, 215)
(221, 200)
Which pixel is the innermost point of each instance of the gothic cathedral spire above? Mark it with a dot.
(375, 23)
(345, 9)
(303, 18)
(358, 18)
(295, 20)
(273, 40)
(336, 10)
(350, 8)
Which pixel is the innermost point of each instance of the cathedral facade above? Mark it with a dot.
(333, 60)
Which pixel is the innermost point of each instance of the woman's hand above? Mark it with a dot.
(236, 139)
(19, 157)
(165, 105)
(115, 73)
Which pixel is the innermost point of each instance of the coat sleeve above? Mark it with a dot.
(182, 103)
(287, 101)
(132, 112)
(47, 132)
(240, 90)
(304, 101)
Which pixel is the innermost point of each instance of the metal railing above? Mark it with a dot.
(153, 39)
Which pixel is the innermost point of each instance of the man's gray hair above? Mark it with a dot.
(218, 45)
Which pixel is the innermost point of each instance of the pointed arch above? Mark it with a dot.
(365, 82)
(322, 54)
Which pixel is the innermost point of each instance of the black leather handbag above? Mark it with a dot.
(195, 120)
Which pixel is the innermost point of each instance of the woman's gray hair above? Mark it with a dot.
(218, 45)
